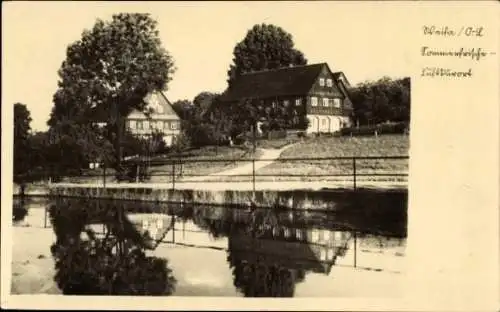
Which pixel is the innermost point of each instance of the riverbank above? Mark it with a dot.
(204, 185)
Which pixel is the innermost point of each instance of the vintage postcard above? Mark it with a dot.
(316, 155)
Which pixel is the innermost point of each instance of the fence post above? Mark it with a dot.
(354, 171)
(104, 177)
(137, 171)
(173, 230)
(181, 165)
(45, 218)
(355, 249)
(173, 173)
(253, 174)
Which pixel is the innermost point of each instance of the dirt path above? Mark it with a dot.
(267, 157)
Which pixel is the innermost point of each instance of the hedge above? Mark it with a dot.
(385, 128)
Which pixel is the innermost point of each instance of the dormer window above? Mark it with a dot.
(298, 102)
(326, 102)
(329, 82)
(322, 82)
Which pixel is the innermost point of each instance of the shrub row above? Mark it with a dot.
(385, 128)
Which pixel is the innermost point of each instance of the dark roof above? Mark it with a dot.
(296, 80)
(336, 76)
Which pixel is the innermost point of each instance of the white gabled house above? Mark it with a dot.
(162, 117)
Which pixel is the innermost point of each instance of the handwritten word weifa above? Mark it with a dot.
(446, 31)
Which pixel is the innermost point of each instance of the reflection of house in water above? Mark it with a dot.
(271, 251)
(311, 249)
(268, 261)
(277, 236)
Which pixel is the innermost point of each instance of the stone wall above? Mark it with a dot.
(337, 200)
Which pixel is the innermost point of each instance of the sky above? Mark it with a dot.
(365, 40)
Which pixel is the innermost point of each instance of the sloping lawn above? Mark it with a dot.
(228, 157)
(313, 170)
(225, 158)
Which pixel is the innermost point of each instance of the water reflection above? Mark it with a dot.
(269, 250)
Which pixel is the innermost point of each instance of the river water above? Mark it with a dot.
(358, 250)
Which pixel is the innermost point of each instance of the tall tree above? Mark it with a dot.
(265, 46)
(203, 100)
(112, 68)
(184, 108)
(22, 129)
(383, 100)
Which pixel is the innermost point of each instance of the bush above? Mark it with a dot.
(19, 212)
(134, 172)
(115, 264)
(276, 134)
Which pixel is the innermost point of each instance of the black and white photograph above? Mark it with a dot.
(209, 149)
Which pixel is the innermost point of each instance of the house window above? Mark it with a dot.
(286, 103)
(322, 82)
(159, 124)
(336, 103)
(173, 125)
(132, 124)
(328, 82)
(323, 122)
(326, 102)
(146, 124)
(314, 101)
(165, 125)
(298, 102)
(139, 125)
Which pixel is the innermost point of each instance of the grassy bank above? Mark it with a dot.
(311, 170)
(231, 156)
(224, 158)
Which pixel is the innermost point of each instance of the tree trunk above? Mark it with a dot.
(119, 134)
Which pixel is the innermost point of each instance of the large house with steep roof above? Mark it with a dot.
(311, 90)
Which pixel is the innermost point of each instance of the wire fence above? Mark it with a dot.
(350, 170)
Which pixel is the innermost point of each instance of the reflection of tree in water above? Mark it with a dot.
(216, 227)
(252, 222)
(260, 278)
(112, 264)
(264, 280)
